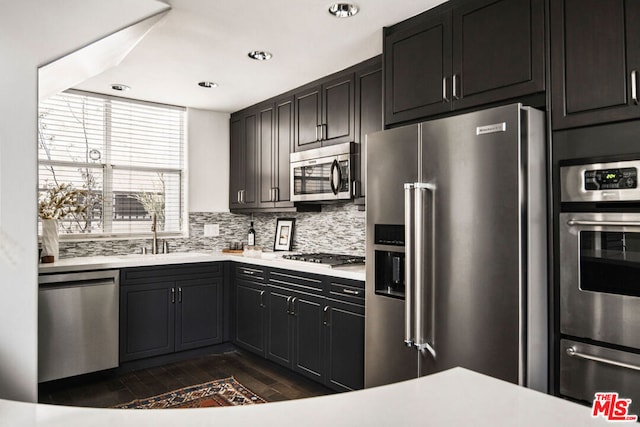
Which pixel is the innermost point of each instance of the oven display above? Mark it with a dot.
(608, 179)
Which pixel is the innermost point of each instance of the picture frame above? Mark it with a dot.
(284, 234)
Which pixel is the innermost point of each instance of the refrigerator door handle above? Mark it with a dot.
(408, 265)
(423, 282)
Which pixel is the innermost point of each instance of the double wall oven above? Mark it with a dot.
(599, 226)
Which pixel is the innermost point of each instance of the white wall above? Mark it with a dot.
(208, 160)
(33, 33)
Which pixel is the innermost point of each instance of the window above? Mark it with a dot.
(125, 157)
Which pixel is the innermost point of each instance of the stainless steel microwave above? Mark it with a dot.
(322, 174)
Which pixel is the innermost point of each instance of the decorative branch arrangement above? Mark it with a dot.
(59, 201)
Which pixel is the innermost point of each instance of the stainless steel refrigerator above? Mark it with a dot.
(456, 248)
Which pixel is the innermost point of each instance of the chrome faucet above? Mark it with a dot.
(154, 224)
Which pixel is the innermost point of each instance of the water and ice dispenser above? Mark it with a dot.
(389, 264)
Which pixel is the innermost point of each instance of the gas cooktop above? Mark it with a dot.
(326, 259)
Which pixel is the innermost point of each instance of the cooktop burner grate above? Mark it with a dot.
(325, 258)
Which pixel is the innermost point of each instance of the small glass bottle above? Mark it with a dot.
(251, 236)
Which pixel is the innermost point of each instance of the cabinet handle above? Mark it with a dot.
(634, 86)
(293, 306)
(273, 194)
(325, 317)
(276, 193)
(248, 272)
(242, 196)
(444, 90)
(325, 132)
(455, 87)
(317, 126)
(173, 295)
(180, 295)
(350, 292)
(238, 196)
(262, 299)
(289, 305)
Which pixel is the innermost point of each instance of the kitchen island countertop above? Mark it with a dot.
(457, 397)
(67, 265)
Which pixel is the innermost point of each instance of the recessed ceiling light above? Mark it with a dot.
(120, 87)
(259, 55)
(208, 85)
(343, 10)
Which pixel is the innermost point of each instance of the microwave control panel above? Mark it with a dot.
(611, 179)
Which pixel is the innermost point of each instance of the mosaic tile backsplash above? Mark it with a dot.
(337, 229)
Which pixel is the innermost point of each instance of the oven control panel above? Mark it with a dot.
(615, 181)
(610, 179)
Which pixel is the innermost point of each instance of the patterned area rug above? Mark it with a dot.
(224, 392)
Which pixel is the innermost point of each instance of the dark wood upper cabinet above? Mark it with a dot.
(237, 163)
(266, 146)
(498, 51)
(368, 115)
(463, 55)
(243, 156)
(338, 110)
(595, 58)
(284, 146)
(417, 63)
(308, 118)
(324, 113)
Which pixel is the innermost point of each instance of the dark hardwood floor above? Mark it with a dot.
(270, 381)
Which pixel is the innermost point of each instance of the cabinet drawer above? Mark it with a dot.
(249, 272)
(352, 292)
(169, 272)
(306, 283)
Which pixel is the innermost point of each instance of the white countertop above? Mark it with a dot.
(457, 397)
(354, 272)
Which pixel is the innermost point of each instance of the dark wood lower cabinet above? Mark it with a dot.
(250, 316)
(302, 322)
(198, 321)
(147, 316)
(345, 345)
(308, 354)
(169, 308)
(279, 327)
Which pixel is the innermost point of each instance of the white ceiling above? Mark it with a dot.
(209, 40)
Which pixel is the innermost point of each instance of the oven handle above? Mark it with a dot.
(573, 353)
(574, 222)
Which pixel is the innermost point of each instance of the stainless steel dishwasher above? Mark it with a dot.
(77, 323)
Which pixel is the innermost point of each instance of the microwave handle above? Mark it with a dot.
(335, 168)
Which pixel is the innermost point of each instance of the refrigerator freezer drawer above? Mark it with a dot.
(587, 369)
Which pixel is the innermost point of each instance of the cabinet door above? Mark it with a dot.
(308, 354)
(308, 118)
(279, 326)
(338, 104)
(147, 319)
(251, 169)
(368, 117)
(249, 327)
(236, 165)
(345, 346)
(265, 146)
(417, 61)
(199, 313)
(283, 147)
(595, 48)
(498, 51)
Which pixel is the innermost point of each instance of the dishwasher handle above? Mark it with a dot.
(69, 280)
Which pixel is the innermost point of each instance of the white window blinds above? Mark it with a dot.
(125, 157)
